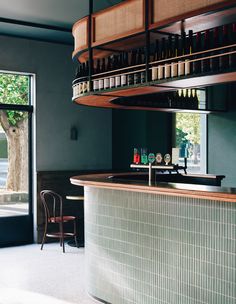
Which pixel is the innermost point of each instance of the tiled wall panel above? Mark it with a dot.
(158, 249)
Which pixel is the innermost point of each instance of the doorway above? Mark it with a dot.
(16, 220)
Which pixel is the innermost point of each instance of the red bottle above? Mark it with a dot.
(136, 159)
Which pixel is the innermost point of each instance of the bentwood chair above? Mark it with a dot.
(53, 211)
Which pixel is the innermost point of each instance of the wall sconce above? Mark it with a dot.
(73, 133)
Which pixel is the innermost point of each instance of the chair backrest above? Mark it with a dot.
(52, 203)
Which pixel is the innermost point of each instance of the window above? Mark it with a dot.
(190, 138)
(15, 117)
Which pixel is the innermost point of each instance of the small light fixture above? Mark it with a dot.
(74, 133)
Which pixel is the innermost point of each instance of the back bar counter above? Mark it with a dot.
(160, 243)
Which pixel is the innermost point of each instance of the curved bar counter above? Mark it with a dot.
(159, 244)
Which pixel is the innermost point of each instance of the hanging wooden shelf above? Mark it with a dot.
(124, 26)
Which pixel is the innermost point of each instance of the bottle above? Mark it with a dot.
(205, 63)
(179, 99)
(214, 61)
(198, 48)
(188, 66)
(84, 77)
(161, 66)
(97, 71)
(132, 63)
(103, 67)
(78, 71)
(101, 80)
(181, 65)
(157, 50)
(124, 64)
(163, 49)
(156, 58)
(195, 101)
(116, 66)
(144, 156)
(182, 99)
(136, 157)
(170, 47)
(175, 51)
(224, 59)
(107, 79)
(112, 78)
(143, 77)
(139, 62)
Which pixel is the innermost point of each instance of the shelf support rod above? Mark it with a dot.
(90, 50)
(147, 40)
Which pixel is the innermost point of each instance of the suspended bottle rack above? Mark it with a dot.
(145, 65)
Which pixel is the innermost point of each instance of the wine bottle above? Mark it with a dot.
(214, 61)
(174, 63)
(116, 65)
(197, 48)
(112, 78)
(188, 68)
(106, 83)
(195, 100)
(181, 65)
(132, 63)
(137, 75)
(78, 71)
(124, 59)
(168, 54)
(156, 58)
(96, 81)
(205, 63)
(161, 67)
(224, 59)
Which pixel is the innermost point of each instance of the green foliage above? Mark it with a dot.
(181, 137)
(14, 89)
(189, 124)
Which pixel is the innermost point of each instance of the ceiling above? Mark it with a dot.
(46, 20)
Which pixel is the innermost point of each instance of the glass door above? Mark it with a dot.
(16, 224)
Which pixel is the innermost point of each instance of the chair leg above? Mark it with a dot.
(44, 236)
(75, 232)
(62, 237)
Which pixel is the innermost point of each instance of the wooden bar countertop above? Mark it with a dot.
(116, 181)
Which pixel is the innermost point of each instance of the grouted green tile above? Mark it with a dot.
(187, 247)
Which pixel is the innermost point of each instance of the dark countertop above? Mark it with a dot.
(119, 182)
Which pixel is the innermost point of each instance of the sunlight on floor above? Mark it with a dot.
(18, 296)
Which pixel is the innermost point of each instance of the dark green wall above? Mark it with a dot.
(222, 136)
(138, 129)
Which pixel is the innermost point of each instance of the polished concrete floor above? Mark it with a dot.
(31, 276)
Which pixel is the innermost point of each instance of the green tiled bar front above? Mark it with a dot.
(157, 249)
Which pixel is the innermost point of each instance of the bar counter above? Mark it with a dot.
(164, 243)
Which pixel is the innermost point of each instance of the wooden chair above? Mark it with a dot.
(53, 210)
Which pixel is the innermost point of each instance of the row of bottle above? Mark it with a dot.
(111, 63)
(119, 80)
(176, 46)
(163, 66)
(181, 99)
(80, 88)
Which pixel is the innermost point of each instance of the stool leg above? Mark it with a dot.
(75, 233)
(44, 235)
(62, 237)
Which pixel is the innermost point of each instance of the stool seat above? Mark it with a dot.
(75, 197)
(59, 219)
